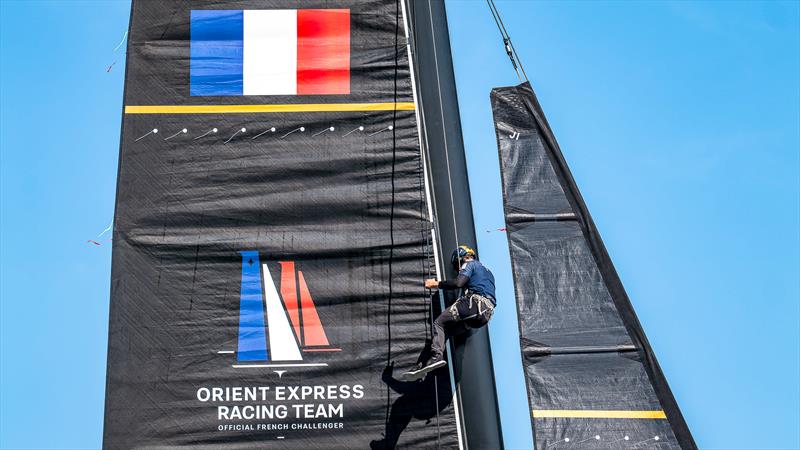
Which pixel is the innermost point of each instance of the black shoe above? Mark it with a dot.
(434, 359)
(435, 362)
(378, 445)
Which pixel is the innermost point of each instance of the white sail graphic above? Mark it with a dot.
(282, 343)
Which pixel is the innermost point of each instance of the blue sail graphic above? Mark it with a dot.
(252, 333)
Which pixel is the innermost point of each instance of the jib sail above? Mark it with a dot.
(592, 379)
(271, 232)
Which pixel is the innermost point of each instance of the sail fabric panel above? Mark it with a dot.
(570, 304)
(530, 181)
(591, 376)
(210, 328)
(582, 396)
(601, 381)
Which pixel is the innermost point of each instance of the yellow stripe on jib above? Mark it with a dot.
(268, 108)
(598, 414)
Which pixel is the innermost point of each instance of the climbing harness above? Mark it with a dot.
(483, 303)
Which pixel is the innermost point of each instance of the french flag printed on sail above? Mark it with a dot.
(270, 52)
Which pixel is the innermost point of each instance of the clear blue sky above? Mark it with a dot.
(680, 123)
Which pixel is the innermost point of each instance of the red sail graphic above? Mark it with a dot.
(289, 295)
(313, 332)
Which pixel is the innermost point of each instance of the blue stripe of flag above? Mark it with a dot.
(216, 52)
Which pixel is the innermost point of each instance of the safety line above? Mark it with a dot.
(426, 234)
(268, 108)
(597, 414)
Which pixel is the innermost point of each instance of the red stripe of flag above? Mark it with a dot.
(323, 51)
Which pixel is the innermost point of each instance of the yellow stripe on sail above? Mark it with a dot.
(598, 414)
(270, 108)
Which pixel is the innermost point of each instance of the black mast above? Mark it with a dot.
(436, 86)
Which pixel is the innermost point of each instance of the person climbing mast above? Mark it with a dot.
(472, 310)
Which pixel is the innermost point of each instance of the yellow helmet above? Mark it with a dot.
(460, 253)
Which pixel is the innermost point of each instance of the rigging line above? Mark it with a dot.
(428, 233)
(427, 200)
(425, 230)
(426, 269)
(426, 237)
(124, 36)
(498, 20)
(429, 310)
(507, 42)
(435, 381)
(444, 130)
(393, 129)
(107, 229)
(436, 397)
(430, 203)
(519, 61)
(494, 16)
(422, 131)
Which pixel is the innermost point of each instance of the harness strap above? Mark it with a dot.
(482, 301)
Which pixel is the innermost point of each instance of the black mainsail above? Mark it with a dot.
(272, 227)
(592, 378)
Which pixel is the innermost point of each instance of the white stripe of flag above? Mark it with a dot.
(270, 52)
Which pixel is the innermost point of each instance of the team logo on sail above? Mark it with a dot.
(292, 326)
(269, 52)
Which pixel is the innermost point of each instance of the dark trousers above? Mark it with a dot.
(468, 312)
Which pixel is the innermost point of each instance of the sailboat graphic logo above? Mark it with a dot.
(291, 325)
